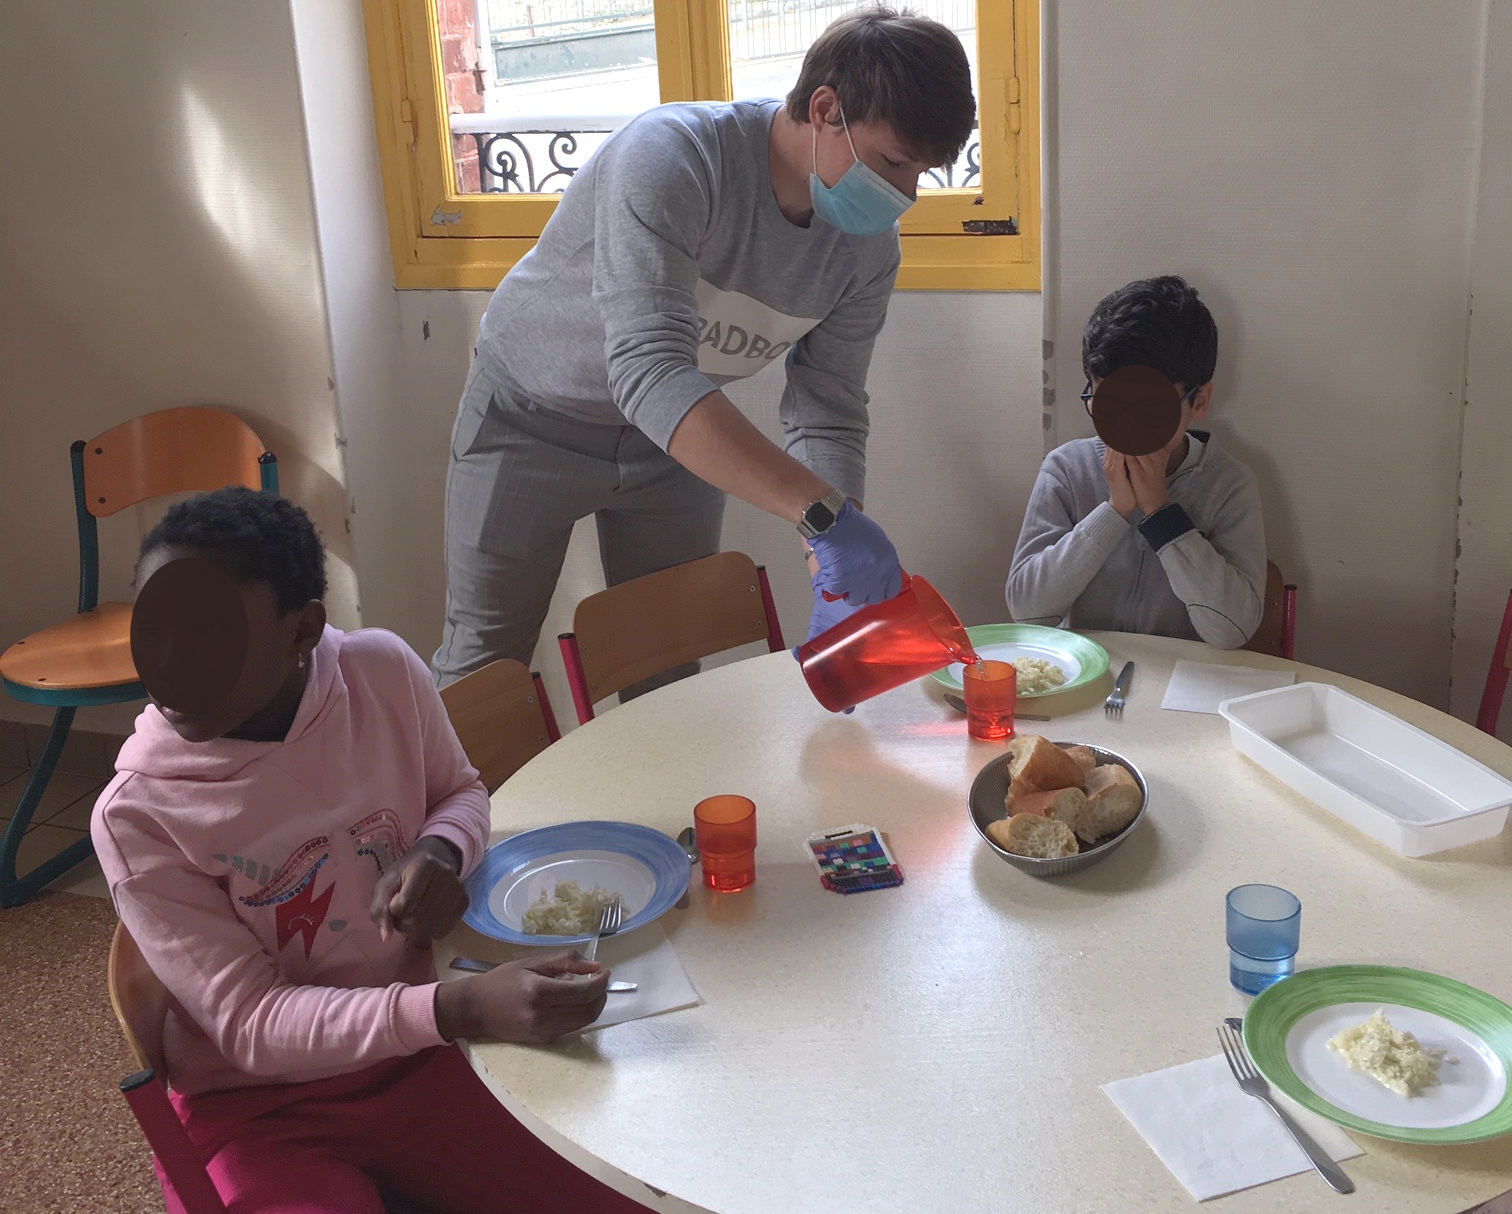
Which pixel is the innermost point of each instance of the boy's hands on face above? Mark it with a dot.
(1147, 474)
(1120, 488)
(533, 1000)
(422, 896)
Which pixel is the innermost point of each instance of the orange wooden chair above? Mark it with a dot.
(86, 659)
(140, 1003)
(650, 624)
(1277, 633)
(502, 717)
(1496, 676)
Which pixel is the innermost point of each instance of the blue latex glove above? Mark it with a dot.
(857, 561)
(826, 614)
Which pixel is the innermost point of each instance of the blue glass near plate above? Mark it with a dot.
(649, 870)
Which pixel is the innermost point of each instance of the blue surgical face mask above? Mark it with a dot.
(861, 202)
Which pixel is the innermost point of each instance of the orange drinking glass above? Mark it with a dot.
(884, 646)
(725, 827)
(991, 694)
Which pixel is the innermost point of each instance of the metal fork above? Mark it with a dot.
(1114, 704)
(608, 924)
(1252, 1083)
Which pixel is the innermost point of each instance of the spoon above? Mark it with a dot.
(688, 840)
(960, 706)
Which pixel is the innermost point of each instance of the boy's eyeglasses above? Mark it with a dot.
(1087, 394)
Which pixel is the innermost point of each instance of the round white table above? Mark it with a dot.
(975, 1010)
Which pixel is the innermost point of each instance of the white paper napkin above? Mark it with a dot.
(644, 956)
(1202, 686)
(1213, 1137)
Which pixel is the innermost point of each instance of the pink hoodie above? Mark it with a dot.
(244, 870)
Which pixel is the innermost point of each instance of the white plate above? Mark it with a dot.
(1472, 1079)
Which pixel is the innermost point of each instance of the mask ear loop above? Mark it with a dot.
(845, 126)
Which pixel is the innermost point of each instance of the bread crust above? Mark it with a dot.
(1084, 757)
(1033, 836)
(1113, 801)
(1063, 804)
(1035, 764)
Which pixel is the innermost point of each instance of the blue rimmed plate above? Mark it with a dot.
(649, 870)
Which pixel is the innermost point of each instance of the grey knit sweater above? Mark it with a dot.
(1193, 569)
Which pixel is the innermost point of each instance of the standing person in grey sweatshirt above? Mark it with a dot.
(1171, 543)
(701, 243)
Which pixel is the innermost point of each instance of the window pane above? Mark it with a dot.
(534, 86)
(768, 39)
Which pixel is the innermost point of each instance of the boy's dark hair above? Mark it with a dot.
(1154, 322)
(253, 536)
(894, 66)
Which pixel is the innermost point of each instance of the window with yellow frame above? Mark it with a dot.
(486, 108)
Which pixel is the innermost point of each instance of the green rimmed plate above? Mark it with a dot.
(1287, 1030)
(1081, 659)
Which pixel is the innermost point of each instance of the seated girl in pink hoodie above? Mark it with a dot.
(285, 835)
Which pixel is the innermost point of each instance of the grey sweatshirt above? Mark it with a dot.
(1193, 569)
(668, 270)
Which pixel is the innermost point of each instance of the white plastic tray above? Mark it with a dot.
(1399, 785)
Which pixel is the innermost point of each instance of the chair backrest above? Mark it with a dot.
(1277, 625)
(139, 1000)
(193, 448)
(1496, 675)
(502, 717)
(642, 627)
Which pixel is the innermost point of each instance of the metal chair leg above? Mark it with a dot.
(14, 890)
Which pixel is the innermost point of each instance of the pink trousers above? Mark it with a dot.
(422, 1130)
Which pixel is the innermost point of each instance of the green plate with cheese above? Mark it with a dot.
(1080, 660)
(1289, 1025)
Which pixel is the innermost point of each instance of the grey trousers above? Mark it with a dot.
(520, 476)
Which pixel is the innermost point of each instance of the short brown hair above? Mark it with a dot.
(894, 66)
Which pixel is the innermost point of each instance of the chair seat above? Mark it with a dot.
(88, 650)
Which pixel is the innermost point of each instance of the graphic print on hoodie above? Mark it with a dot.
(244, 870)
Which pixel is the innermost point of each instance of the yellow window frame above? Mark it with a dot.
(951, 238)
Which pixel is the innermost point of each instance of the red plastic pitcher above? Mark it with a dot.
(884, 646)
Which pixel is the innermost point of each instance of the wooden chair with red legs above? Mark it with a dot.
(649, 625)
(502, 718)
(1277, 633)
(86, 659)
(1496, 676)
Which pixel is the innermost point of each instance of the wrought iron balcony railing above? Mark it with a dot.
(540, 155)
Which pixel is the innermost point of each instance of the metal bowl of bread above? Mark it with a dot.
(1052, 808)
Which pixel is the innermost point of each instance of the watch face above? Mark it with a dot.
(819, 517)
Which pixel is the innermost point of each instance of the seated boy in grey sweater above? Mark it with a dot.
(1170, 543)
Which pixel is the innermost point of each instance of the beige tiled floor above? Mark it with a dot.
(62, 818)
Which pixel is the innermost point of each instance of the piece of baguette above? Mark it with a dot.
(1035, 764)
(1085, 759)
(1033, 836)
(1113, 800)
(1063, 804)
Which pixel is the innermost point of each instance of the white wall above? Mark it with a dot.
(1484, 575)
(1309, 168)
(956, 440)
(159, 249)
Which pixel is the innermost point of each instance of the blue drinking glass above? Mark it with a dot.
(1264, 927)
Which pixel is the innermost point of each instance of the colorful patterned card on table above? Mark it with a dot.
(852, 859)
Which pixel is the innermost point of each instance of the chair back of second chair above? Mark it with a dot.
(1277, 632)
(642, 627)
(1496, 677)
(502, 718)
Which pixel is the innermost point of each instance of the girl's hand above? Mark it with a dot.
(1120, 488)
(534, 1000)
(422, 896)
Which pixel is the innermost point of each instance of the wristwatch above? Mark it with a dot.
(821, 516)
